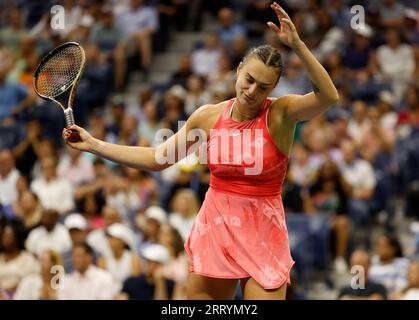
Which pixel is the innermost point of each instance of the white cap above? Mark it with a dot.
(386, 97)
(411, 13)
(87, 21)
(365, 31)
(178, 91)
(122, 232)
(156, 253)
(156, 213)
(75, 221)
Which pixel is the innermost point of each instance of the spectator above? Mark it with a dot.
(257, 12)
(77, 228)
(329, 195)
(97, 238)
(142, 190)
(411, 291)
(358, 53)
(147, 130)
(359, 122)
(224, 76)
(8, 178)
(386, 104)
(139, 23)
(360, 175)
(229, 29)
(185, 207)
(28, 209)
(205, 60)
(111, 42)
(49, 235)
(128, 131)
(238, 51)
(293, 80)
(376, 141)
(25, 152)
(151, 284)
(181, 75)
(53, 192)
(370, 289)
(13, 32)
(46, 148)
(197, 95)
(123, 262)
(40, 286)
(177, 267)
(388, 266)
(149, 224)
(75, 168)
(391, 13)
(87, 282)
(340, 14)
(13, 97)
(395, 62)
(302, 172)
(15, 262)
(91, 206)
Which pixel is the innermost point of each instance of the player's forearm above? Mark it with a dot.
(323, 85)
(132, 156)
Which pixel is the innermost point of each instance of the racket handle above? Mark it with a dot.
(69, 121)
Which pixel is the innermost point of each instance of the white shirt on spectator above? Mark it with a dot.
(120, 269)
(205, 61)
(54, 194)
(80, 172)
(391, 275)
(133, 21)
(94, 284)
(398, 62)
(359, 174)
(13, 271)
(39, 240)
(356, 129)
(8, 192)
(181, 224)
(97, 240)
(29, 288)
(411, 294)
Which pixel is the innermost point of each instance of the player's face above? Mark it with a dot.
(254, 82)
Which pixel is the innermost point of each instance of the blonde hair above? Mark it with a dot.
(193, 201)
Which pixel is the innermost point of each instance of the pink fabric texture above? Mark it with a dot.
(240, 230)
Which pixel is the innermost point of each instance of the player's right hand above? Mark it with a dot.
(85, 144)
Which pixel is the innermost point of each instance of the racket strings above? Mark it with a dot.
(59, 72)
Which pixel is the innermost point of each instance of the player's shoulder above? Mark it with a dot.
(283, 101)
(207, 112)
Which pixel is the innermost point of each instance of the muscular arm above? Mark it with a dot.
(144, 158)
(304, 107)
(324, 94)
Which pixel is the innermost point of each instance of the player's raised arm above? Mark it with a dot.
(324, 94)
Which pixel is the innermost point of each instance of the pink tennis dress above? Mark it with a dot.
(240, 230)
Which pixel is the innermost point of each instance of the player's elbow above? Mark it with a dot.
(160, 160)
(330, 99)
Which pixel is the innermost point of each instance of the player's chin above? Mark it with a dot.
(244, 99)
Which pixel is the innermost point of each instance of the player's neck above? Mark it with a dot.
(240, 113)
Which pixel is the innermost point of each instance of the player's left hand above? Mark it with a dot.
(286, 30)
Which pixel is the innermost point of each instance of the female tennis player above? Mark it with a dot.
(240, 231)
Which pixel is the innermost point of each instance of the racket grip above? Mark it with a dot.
(69, 121)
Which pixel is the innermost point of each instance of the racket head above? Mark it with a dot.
(59, 70)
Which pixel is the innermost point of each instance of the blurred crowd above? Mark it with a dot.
(119, 232)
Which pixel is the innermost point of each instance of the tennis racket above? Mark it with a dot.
(59, 73)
